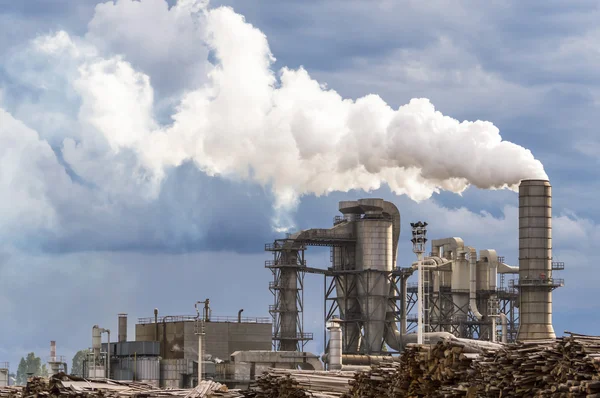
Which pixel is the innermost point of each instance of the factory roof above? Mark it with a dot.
(190, 318)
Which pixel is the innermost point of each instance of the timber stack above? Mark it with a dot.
(442, 371)
(61, 385)
(284, 383)
(563, 368)
(566, 367)
(11, 392)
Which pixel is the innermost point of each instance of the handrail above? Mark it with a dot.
(186, 318)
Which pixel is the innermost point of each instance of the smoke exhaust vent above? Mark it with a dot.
(535, 260)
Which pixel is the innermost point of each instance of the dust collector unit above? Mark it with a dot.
(535, 260)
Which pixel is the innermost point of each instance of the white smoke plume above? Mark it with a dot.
(239, 118)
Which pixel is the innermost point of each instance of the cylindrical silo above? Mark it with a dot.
(96, 340)
(122, 328)
(460, 282)
(374, 252)
(535, 260)
(334, 357)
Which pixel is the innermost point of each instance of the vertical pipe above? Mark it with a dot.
(420, 300)
(200, 355)
(240, 315)
(504, 328)
(156, 323)
(108, 367)
(473, 283)
(404, 291)
(334, 357)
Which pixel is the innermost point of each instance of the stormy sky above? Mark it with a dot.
(149, 149)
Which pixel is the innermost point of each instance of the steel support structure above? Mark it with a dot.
(338, 303)
(288, 268)
(446, 316)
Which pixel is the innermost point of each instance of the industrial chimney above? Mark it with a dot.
(122, 328)
(535, 260)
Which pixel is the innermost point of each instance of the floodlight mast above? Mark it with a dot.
(419, 240)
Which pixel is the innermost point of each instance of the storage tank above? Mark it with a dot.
(96, 340)
(535, 260)
(374, 252)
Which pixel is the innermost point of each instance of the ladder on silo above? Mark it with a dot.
(426, 305)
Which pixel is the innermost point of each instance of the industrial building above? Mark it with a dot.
(165, 350)
(4, 378)
(467, 293)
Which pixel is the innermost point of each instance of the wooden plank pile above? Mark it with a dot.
(442, 371)
(285, 383)
(61, 385)
(563, 368)
(566, 367)
(11, 392)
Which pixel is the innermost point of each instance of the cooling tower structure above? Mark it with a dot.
(536, 281)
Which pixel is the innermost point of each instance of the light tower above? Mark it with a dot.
(419, 233)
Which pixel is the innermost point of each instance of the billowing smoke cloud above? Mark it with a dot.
(204, 91)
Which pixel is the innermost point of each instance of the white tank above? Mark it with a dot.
(96, 340)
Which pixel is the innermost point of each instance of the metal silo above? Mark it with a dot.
(374, 252)
(535, 260)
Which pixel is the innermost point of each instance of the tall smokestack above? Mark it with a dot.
(535, 260)
(52, 351)
(122, 328)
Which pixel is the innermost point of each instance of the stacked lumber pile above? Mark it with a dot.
(285, 383)
(566, 367)
(61, 385)
(443, 371)
(36, 385)
(11, 392)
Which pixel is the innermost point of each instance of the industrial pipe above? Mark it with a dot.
(156, 323)
(108, 355)
(240, 315)
(334, 358)
(201, 334)
(473, 284)
(504, 328)
(507, 269)
(65, 367)
(207, 311)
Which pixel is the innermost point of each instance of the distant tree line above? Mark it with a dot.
(32, 365)
(28, 367)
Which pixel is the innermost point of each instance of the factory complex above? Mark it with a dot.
(466, 295)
